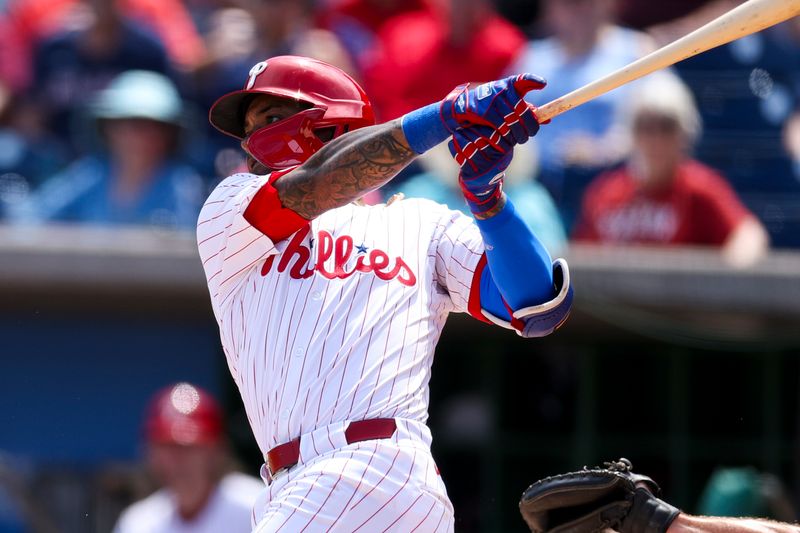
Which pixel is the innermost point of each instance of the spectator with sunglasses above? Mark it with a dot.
(660, 195)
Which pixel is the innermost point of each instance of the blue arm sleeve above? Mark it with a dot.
(520, 268)
(424, 128)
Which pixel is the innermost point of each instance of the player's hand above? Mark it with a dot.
(497, 104)
(483, 158)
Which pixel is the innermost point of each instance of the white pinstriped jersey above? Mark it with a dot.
(338, 322)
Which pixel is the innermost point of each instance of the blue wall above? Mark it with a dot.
(73, 388)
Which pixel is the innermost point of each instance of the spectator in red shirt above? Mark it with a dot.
(661, 195)
(423, 54)
(369, 14)
(356, 23)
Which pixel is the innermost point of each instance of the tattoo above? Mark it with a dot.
(346, 169)
(501, 203)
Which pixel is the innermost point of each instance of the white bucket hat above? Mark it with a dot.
(139, 94)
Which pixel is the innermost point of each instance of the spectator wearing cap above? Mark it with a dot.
(661, 195)
(74, 64)
(187, 455)
(137, 177)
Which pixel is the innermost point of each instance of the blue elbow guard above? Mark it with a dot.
(543, 319)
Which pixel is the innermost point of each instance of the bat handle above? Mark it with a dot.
(547, 111)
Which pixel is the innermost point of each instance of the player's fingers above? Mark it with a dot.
(456, 146)
(470, 145)
(524, 83)
(538, 120)
(488, 141)
(527, 119)
(500, 143)
(514, 130)
(484, 135)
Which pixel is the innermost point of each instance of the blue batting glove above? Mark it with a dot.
(483, 156)
(497, 104)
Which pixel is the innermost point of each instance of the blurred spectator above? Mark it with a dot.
(32, 21)
(14, 67)
(583, 46)
(357, 22)
(172, 23)
(740, 492)
(675, 19)
(523, 13)
(439, 182)
(276, 27)
(239, 37)
(23, 25)
(423, 54)
(638, 14)
(663, 196)
(137, 178)
(369, 14)
(748, 93)
(21, 509)
(28, 152)
(71, 67)
(188, 456)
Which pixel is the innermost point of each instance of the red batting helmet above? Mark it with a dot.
(336, 101)
(183, 414)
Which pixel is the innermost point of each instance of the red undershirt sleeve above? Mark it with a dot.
(267, 214)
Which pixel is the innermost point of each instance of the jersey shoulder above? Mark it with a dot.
(239, 179)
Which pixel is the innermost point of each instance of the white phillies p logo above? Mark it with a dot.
(257, 69)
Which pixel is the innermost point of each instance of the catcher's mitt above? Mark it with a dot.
(594, 499)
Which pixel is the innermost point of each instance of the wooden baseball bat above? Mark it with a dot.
(750, 17)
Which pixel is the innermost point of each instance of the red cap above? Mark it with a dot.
(183, 414)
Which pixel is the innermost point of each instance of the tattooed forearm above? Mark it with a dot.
(345, 169)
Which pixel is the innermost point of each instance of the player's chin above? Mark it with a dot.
(257, 167)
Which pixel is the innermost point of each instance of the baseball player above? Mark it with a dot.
(187, 455)
(329, 311)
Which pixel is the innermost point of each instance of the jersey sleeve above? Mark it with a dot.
(460, 261)
(229, 245)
